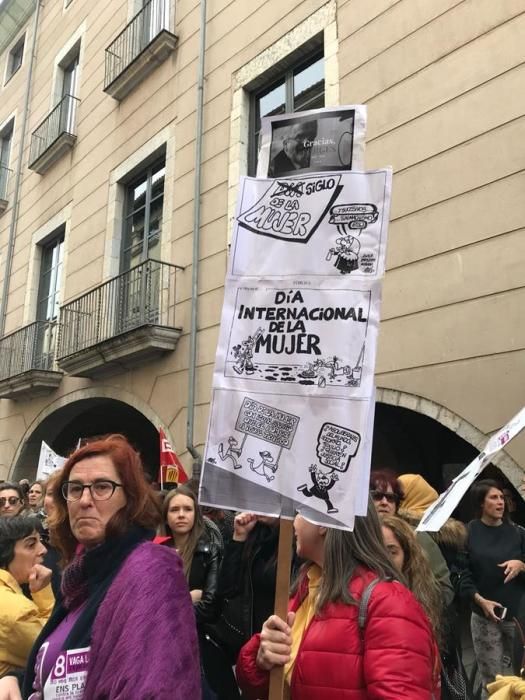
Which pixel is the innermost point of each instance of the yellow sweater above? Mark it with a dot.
(303, 617)
(20, 621)
(507, 688)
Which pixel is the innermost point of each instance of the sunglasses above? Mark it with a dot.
(12, 501)
(379, 495)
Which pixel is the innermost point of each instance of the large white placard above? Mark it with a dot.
(293, 401)
(438, 513)
(331, 138)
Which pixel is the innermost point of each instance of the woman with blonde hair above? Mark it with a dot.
(409, 559)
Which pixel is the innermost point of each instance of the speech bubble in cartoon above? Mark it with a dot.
(267, 423)
(336, 446)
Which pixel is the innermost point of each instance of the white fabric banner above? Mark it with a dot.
(438, 513)
(48, 462)
(291, 416)
(327, 139)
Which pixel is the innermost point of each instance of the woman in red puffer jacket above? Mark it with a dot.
(328, 653)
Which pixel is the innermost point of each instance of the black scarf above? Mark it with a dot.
(86, 580)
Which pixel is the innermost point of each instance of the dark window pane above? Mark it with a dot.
(143, 222)
(50, 280)
(138, 195)
(273, 102)
(300, 88)
(157, 183)
(308, 85)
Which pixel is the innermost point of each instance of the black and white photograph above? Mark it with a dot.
(314, 141)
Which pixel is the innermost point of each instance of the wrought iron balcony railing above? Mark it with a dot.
(4, 181)
(145, 26)
(29, 348)
(142, 296)
(60, 121)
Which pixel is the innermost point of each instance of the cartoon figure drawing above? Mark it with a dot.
(322, 483)
(232, 453)
(349, 219)
(347, 251)
(243, 353)
(266, 463)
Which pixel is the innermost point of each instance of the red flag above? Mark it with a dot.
(171, 470)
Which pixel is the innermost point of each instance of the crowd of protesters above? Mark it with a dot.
(111, 589)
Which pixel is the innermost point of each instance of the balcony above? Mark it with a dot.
(144, 43)
(54, 136)
(5, 173)
(27, 361)
(120, 324)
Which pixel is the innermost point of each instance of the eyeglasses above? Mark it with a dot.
(11, 500)
(379, 495)
(100, 490)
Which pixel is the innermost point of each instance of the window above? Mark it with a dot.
(48, 300)
(69, 76)
(69, 68)
(299, 87)
(6, 138)
(143, 216)
(14, 60)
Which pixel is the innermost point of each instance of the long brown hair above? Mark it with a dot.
(141, 507)
(417, 571)
(344, 551)
(188, 550)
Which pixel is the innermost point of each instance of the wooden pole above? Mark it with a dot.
(282, 594)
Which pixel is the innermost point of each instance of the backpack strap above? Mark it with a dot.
(363, 603)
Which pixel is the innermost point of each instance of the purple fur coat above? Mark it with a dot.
(144, 640)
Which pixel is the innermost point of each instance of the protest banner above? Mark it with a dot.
(324, 224)
(48, 462)
(438, 513)
(316, 140)
(293, 390)
(319, 337)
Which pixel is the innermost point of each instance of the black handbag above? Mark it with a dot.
(228, 632)
(453, 680)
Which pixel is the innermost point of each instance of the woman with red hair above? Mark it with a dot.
(124, 627)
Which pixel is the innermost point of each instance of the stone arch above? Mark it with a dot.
(453, 422)
(50, 423)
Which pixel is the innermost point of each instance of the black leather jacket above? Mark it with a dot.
(203, 576)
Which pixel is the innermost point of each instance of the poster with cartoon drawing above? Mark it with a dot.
(323, 225)
(315, 340)
(330, 138)
(301, 454)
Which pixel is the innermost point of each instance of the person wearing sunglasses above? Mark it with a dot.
(21, 617)
(11, 500)
(388, 496)
(385, 491)
(125, 625)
